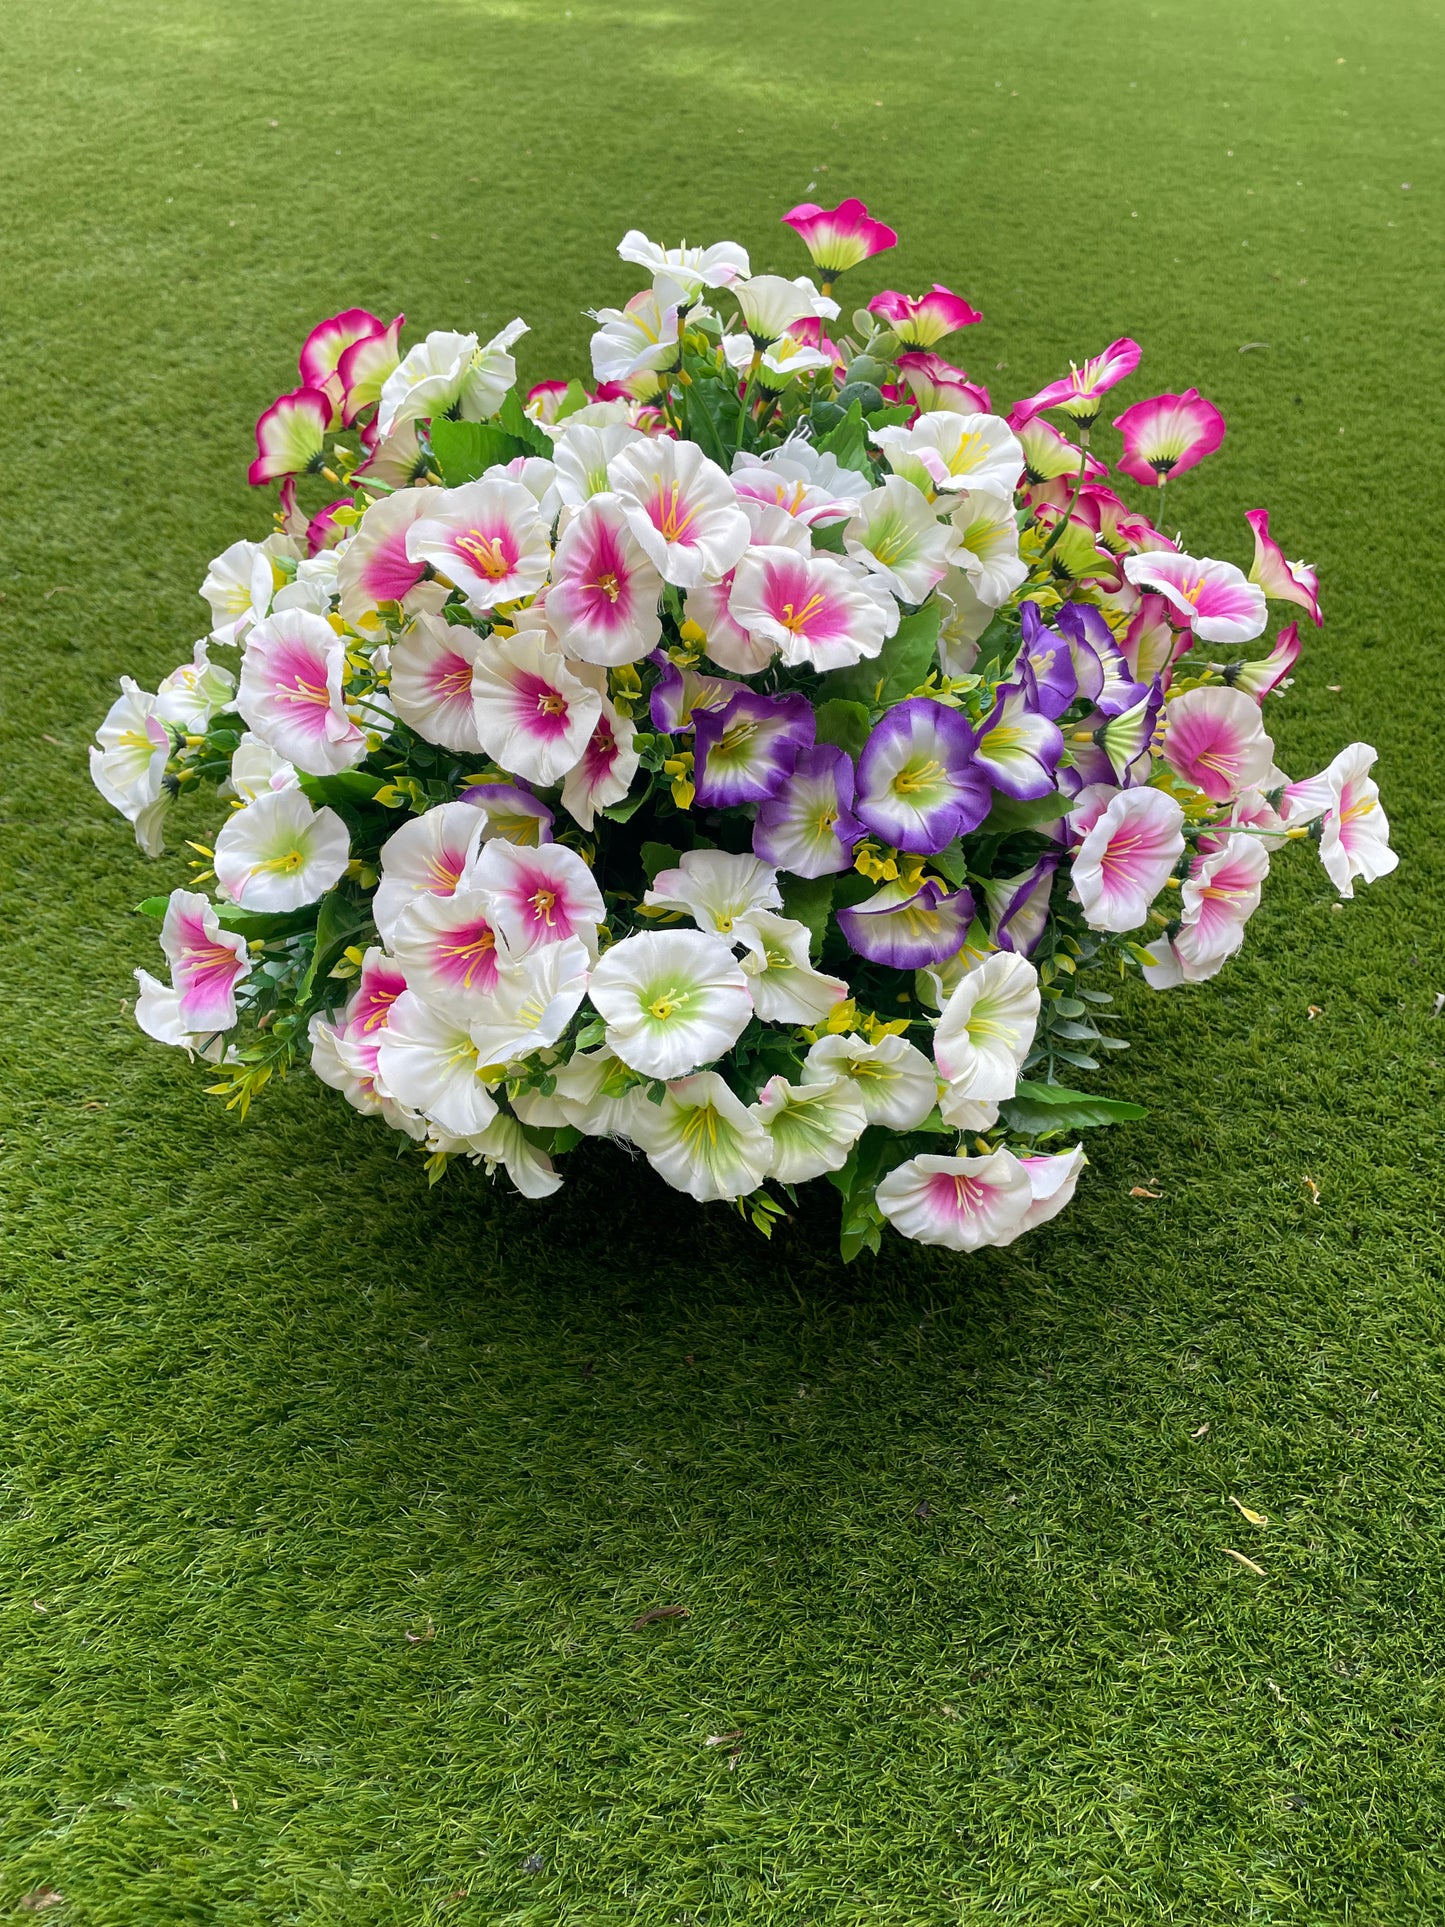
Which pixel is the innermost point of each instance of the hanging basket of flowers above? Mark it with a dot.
(768, 755)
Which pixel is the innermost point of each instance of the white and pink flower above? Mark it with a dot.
(428, 855)
(1354, 832)
(430, 682)
(1216, 740)
(1127, 857)
(207, 963)
(1282, 581)
(603, 773)
(602, 602)
(534, 715)
(682, 509)
(1214, 598)
(817, 611)
(960, 1203)
(487, 539)
(538, 896)
(291, 692)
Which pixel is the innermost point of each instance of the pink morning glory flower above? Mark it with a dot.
(602, 603)
(1080, 393)
(936, 384)
(374, 566)
(206, 962)
(1257, 679)
(1282, 581)
(1215, 739)
(534, 714)
(1218, 897)
(1127, 858)
(918, 785)
(838, 238)
(431, 682)
(291, 436)
(818, 612)
(1049, 456)
(427, 855)
(290, 692)
(328, 341)
(1214, 598)
(364, 367)
(921, 320)
(486, 538)
(1167, 435)
(681, 508)
(962, 1204)
(603, 774)
(1354, 832)
(447, 947)
(538, 896)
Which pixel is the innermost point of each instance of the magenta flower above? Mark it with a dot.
(1216, 740)
(809, 827)
(1354, 832)
(1150, 643)
(1257, 679)
(908, 928)
(1017, 747)
(1167, 435)
(1127, 858)
(605, 771)
(1282, 581)
(447, 947)
(1080, 393)
(538, 896)
(291, 436)
(921, 320)
(365, 365)
(290, 692)
(838, 238)
(935, 383)
(1213, 597)
(328, 341)
(206, 962)
(746, 752)
(918, 784)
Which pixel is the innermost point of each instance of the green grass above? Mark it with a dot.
(328, 1500)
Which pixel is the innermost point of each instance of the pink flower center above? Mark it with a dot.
(494, 555)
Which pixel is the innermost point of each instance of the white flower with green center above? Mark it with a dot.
(582, 454)
(533, 1001)
(598, 1094)
(426, 1060)
(987, 532)
(719, 891)
(965, 616)
(942, 451)
(784, 985)
(703, 1140)
(128, 758)
(504, 1142)
(895, 1083)
(987, 1028)
(671, 1000)
(278, 853)
(191, 695)
(448, 374)
(896, 533)
(813, 1126)
(239, 585)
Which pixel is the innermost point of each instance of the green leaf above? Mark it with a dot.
(809, 900)
(657, 857)
(891, 417)
(951, 862)
(844, 724)
(998, 642)
(1037, 1109)
(261, 924)
(1008, 814)
(905, 662)
(466, 450)
(346, 786)
(711, 413)
(515, 419)
(151, 907)
(624, 811)
(848, 442)
(337, 922)
(576, 397)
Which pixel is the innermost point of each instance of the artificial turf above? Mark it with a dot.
(329, 1500)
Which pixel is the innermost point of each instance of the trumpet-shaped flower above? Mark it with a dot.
(671, 1000)
(721, 892)
(532, 1002)
(278, 853)
(328, 341)
(784, 986)
(985, 544)
(1052, 1183)
(239, 585)
(1080, 393)
(943, 451)
(688, 270)
(908, 925)
(364, 366)
(839, 238)
(1354, 832)
(640, 339)
(921, 320)
(534, 716)
(604, 772)
(936, 384)
(963, 617)
(255, 767)
(746, 752)
(449, 375)
(893, 1081)
(821, 612)
(290, 692)
(447, 948)
(1127, 857)
(1048, 455)
(206, 962)
(783, 479)
(426, 1060)
(598, 1094)
(128, 758)
(158, 1013)
(895, 533)
(1167, 435)
(987, 1028)
(291, 436)
(505, 1143)
(1282, 581)
(1213, 597)
(427, 856)
(431, 681)
(581, 455)
(1127, 737)
(1017, 748)
(813, 1127)
(809, 827)
(769, 305)
(918, 785)
(511, 812)
(681, 693)
(1018, 906)
(1219, 896)
(374, 566)
(487, 538)
(538, 896)
(681, 508)
(960, 1203)
(1257, 679)
(1215, 738)
(702, 1140)
(602, 603)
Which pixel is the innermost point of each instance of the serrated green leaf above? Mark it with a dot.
(844, 724)
(515, 419)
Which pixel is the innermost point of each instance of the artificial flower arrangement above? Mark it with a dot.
(766, 756)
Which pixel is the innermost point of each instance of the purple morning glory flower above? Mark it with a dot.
(1103, 673)
(746, 752)
(809, 826)
(1049, 656)
(677, 693)
(908, 928)
(1125, 738)
(1019, 906)
(918, 784)
(1017, 748)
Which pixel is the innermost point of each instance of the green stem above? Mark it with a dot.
(1063, 520)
